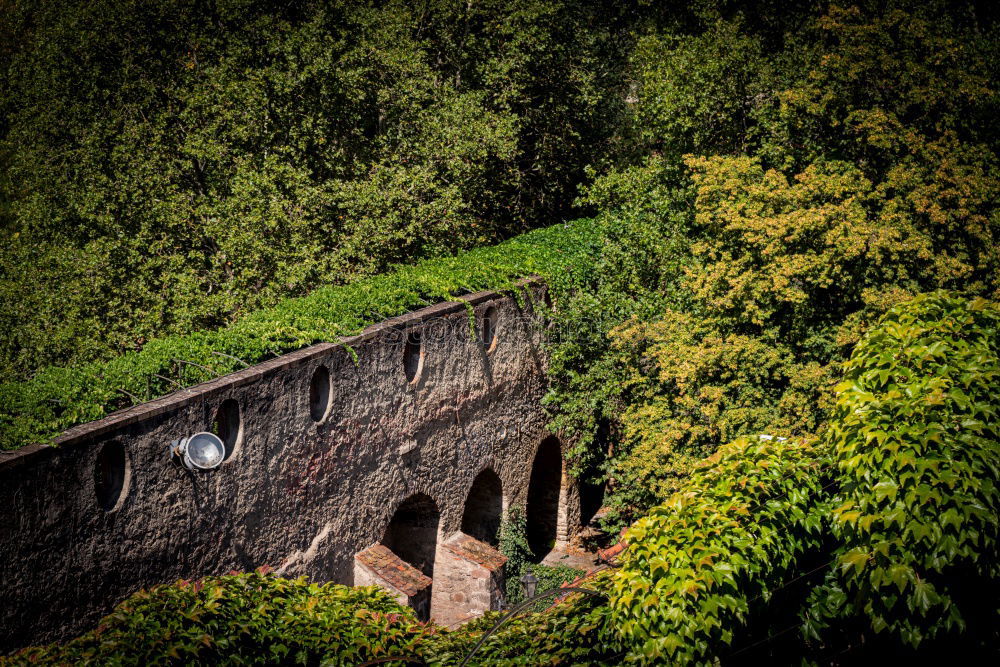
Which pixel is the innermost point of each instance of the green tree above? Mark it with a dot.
(171, 166)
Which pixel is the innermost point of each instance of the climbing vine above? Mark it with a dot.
(916, 440)
(58, 398)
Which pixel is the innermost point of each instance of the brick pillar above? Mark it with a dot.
(468, 580)
(378, 566)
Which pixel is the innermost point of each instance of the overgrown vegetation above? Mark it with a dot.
(172, 166)
(59, 397)
(916, 441)
(845, 161)
(767, 183)
(897, 503)
(514, 545)
(243, 619)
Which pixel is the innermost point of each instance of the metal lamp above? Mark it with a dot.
(201, 451)
(529, 582)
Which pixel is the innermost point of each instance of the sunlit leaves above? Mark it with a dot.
(694, 565)
(916, 440)
(245, 619)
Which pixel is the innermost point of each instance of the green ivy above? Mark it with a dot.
(58, 398)
(740, 525)
(916, 440)
(242, 619)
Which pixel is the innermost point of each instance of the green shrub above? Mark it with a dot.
(787, 188)
(743, 521)
(242, 619)
(171, 166)
(897, 502)
(916, 439)
(58, 398)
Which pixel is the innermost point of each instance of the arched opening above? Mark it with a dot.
(413, 357)
(319, 394)
(412, 532)
(543, 498)
(111, 476)
(483, 508)
(229, 426)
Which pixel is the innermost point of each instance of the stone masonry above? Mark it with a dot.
(468, 580)
(326, 444)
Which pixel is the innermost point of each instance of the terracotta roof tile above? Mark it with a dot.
(473, 550)
(394, 570)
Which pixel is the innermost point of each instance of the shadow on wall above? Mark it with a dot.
(543, 498)
(483, 508)
(412, 532)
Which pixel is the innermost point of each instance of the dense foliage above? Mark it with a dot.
(60, 397)
(242, 619)
(513, 544)
(769, 180)
(897, 503)
(172, 166)
(916, 440)
(742, 524)
(800, 178)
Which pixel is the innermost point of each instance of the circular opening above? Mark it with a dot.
(319, 394)
(413, 357)
(111, 476)
(228, 426)
(488, 329)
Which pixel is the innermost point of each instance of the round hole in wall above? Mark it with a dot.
(413, 357)
(111, 476)
(228, 426)
(319, 394)
(488, 329)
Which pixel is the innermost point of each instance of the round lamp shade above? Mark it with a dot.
(203, 451)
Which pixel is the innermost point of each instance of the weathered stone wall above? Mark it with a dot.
(300, 495)
(468, 580)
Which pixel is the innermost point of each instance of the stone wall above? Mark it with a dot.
(468, 580)
(324, 449)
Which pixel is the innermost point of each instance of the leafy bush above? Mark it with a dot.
(242, 619)
(57, 398)
(572, 632)
(916, 440)
(743, 521)
(173, 166)
(897, 502)
(514, 545)
(780, 196)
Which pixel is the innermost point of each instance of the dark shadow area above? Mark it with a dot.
(488, 328)
(543, 498)
(591, 499)
(319, 394)
(412, 532)
(412, 356)
(228, 426)
(109, 475)
(483, 508)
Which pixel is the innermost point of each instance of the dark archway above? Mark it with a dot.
(543, 498)
(591, 500)
(483, 508)
(412, 532)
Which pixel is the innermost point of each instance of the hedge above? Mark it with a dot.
(56, 398)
